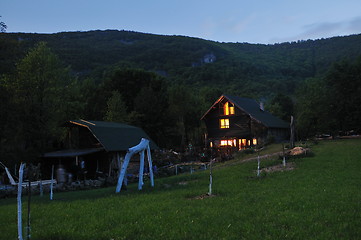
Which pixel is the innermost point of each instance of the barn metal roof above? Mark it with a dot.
(114, 136)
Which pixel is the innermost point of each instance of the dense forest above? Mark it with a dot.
(165, 83)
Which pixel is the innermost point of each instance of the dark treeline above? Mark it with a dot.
(165, 84)
(331, 104)
(41, 94)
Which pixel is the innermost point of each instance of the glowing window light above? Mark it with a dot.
(225, 109)
(224, 142)
(254, 141)
(231, 110)
(228, 109)
(224, 123)
(230, 142)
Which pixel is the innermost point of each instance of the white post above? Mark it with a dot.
(210, 178)
(125, 180)
(141, 171)
(284, 157)
(150, 166)
(258, 171)
(123, 170)
(52, 182)
(176, 169)
(144, 144)
(284, 161)
(20, 227)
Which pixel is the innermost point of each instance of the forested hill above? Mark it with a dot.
(239, 68)
(164, 84)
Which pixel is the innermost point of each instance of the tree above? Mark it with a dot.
(42, 102)
(344, 81)
(186, 109)
(145, 98)
(312, 108)
(3, 27)
(6, 117)
(116, 109)
(281, 106)
(208, 96)
(151, 108)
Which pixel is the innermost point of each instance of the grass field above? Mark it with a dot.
(320, 199)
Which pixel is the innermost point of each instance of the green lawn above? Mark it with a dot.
(320, 199)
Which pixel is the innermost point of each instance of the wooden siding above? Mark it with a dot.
(239, 123)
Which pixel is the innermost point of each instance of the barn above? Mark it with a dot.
(95, 146)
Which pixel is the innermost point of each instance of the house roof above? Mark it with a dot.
(114, 136)
(252, 108)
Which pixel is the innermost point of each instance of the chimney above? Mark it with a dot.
(261, 106)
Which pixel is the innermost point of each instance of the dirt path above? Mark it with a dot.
(235, 162)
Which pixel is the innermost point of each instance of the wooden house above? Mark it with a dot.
(98, 145)
(238, 123)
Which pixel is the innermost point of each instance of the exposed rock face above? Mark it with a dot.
(209, 58)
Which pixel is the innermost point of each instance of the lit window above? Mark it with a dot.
(224, 123)
(242, 143)
(231, 110)
(254, 141)
(226, 143)
(228, 109)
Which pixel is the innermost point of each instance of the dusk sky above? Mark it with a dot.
(256, 21)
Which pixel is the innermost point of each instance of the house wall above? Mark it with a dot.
(239, 124)
(243, 131)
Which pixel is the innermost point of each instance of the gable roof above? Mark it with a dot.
(114, 136)
(252, 108)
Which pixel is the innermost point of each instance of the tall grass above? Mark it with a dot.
(320, 199)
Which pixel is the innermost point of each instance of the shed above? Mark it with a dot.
(99, 145)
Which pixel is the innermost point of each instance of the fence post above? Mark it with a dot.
(210, 178)
(284, 157)
(258, 171)
(52, 182)
(20, 227)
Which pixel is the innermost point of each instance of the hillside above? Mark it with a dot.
(239, 68)
(319, 199)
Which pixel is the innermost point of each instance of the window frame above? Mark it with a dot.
(224, 123)
(228, 109)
